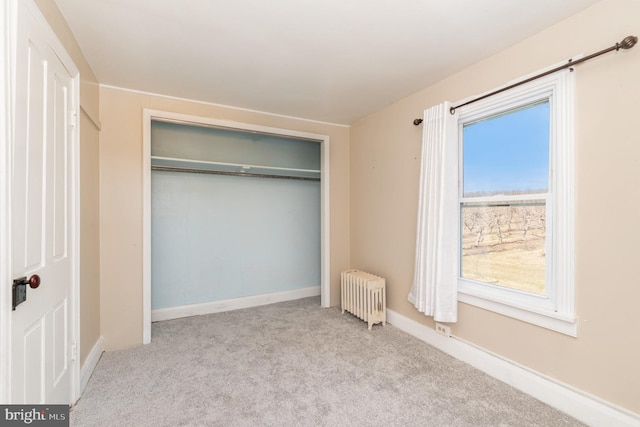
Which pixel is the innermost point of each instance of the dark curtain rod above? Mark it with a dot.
(627, 43)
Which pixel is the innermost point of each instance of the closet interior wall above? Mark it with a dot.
(233, 214)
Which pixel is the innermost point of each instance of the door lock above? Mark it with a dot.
(20, 289)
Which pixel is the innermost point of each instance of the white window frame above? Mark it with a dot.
(556, 309)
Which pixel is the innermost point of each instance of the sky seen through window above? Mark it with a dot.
(507, 153)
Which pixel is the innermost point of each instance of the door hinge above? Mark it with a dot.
(74, 351)
(73, 119)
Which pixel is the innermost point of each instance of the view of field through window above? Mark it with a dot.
(502, 230)
(505, 245)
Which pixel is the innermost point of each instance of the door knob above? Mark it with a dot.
(19, 288)
(34, 281)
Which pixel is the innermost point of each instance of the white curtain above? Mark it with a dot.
(435, 288)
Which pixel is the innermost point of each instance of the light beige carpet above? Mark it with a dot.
(296, 364)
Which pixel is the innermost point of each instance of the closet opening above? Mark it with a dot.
(235, 215)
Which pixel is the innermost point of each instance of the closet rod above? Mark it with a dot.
(211, 172)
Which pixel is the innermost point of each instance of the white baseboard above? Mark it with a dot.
(231, 304)
(90, 364)
(582, 406)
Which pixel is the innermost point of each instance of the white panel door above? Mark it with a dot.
(42, 219)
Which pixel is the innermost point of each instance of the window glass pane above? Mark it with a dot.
(507, 153)
(504, 244)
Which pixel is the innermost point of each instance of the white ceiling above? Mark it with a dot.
(327, 60)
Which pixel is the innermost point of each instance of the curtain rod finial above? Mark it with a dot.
(417, 122)
(628, 42)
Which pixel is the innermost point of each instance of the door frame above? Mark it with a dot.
(325, 229)
(9, 12)
(6, 131)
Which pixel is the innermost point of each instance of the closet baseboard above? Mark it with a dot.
(231, 304)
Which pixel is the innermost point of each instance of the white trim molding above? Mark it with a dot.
(213, 104)
(232, 304)
(8, 20)
(90, 363)
(582, 406)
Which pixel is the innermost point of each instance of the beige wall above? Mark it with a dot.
(121, 200)
(384, 170)
(89, 183)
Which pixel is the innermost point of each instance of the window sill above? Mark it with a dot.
(567, 325)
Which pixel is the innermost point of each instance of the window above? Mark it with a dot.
(503, 205)
(515, 203)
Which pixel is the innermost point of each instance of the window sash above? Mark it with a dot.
(554, 309)
(510, 295)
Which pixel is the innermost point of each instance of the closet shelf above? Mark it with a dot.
(202, 166)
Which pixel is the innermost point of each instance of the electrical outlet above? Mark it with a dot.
(443, 329)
